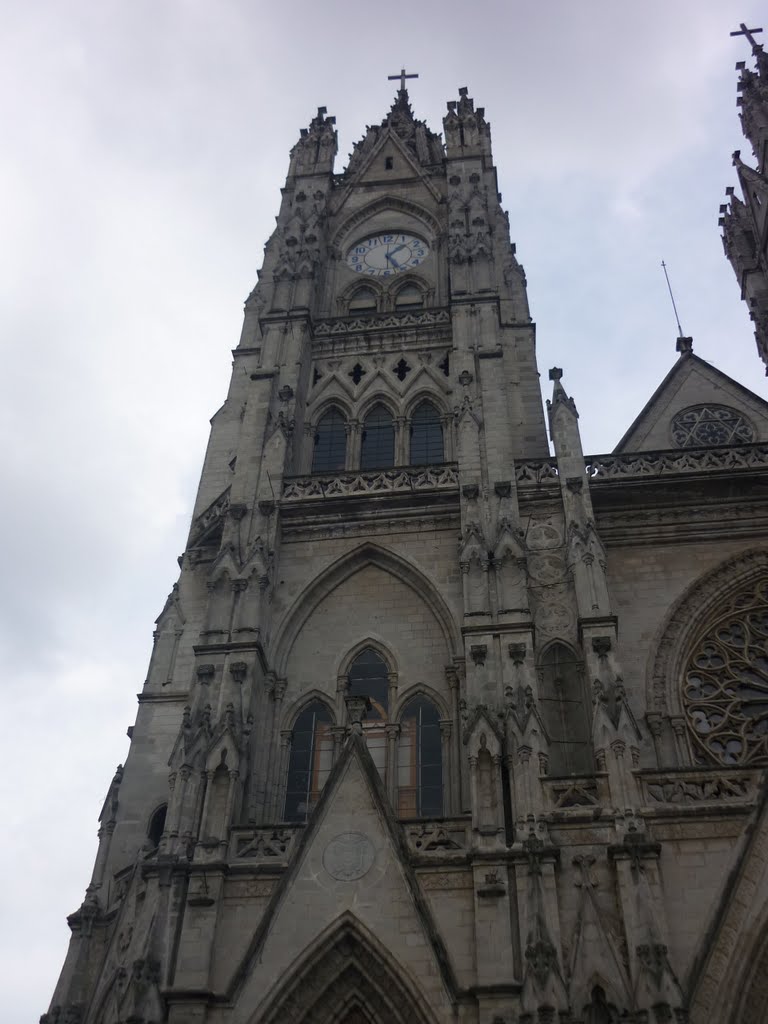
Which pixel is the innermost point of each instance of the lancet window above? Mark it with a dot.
(426, 436)
(157, 825)
(330, 452)
(310, 761)
(563, 705)
(369, 677)
(377, 448)
(419, 761)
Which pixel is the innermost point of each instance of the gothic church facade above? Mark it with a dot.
(439, 726)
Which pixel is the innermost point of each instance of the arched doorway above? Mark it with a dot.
(346, 978)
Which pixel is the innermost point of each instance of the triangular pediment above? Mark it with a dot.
(372, 168)
(691, 382)
(352, 865)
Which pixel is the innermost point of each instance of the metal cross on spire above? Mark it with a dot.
(402, 76)
(748, 32)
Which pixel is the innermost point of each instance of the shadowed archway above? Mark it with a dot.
(346, 977)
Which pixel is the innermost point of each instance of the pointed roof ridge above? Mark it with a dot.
(354, 747)
(685, 357)
(415, 134)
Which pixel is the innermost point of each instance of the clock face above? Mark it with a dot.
(387, 254)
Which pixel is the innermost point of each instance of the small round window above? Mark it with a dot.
(705, 425)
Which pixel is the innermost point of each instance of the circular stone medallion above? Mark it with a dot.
(349, 856)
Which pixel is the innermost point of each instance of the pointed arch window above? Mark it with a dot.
(369, 677)
(310, 761)
(409, 297)
(157, 825)
(563, 705)
(426, 436)
(330, 451)
(420, 761)
(378, 440)
(363, 300)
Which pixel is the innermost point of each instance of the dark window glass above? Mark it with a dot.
(330, 443)
(378, 441)
(564, 710)
(409, 297)
(310, 761)
(426, 436)
(363, 300)
(368, 678)
(419, 761)
(157, 825)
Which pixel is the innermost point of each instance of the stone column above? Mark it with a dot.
(393, 734)
(353, 445)
(449, 782)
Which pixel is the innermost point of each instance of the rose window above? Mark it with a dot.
(725, 689)
(704, 425)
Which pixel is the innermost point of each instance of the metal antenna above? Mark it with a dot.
(677, 318)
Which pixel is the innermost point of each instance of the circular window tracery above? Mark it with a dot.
(702, 425)
(725, 688)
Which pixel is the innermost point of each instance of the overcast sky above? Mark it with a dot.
(144, 146)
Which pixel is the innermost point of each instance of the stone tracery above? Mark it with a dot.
(725, 685)
(704, 425)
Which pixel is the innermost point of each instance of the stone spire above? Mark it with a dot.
(744, 222)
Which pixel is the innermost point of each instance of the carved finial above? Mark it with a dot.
(357, 707)
(555, 373)
(684, 346)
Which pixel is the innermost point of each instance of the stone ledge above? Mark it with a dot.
(405, 479)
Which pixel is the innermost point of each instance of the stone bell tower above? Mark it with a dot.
(744, 220)
(397, 756)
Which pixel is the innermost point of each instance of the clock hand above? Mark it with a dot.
(402, 246)
(394, 263)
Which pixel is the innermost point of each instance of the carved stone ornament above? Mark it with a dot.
(726, 459)
(478, 653)
(349, 856)
(601, 645)
(340, 485)
(517, 653)
(357, 706)
(542, 958)
(238, 670)
(725, 682)
(707, 425)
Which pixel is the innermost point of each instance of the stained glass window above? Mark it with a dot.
(419, 761)
(310, 761)
(330, 443)
(378, 440)
(704, 425)
(563, 706)
(426, 436)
